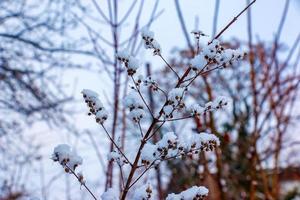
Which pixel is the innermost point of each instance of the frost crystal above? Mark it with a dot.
(147, 33)
(89, 94)
(193, 193)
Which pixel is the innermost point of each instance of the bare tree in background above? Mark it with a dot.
(31, 60)
(264, 90)
(38, 44)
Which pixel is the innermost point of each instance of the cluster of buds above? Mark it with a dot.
(202, 142)
(150, 42)
(149, 192)
(169, 147)
(197, 110)
(197, 34)
(165, 148)
(95, 106)
(138, 81)
(175, 102)
(67, 158)
(149, 154)
(136, 108)
(168, 143)
(175, 97)
(193, 193)
(143, 193)
(130, 62)
(115, 156)
(152, 84)
(209, 145)
(218, 103)
(167, 112)
(215, 54)
(136, 115)
(80, 178)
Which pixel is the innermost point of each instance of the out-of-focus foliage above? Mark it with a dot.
(254, 133)
(34, 39)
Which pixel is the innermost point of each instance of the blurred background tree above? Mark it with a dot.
(41, 41)
(256, 133)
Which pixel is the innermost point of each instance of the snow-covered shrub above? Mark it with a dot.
(148, 155)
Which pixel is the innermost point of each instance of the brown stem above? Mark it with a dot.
(169, 66)
(233, 20)
(140, 94)
(143, 142)
(114, 143)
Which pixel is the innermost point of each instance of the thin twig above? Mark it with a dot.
(176, 119)
(122, 176)
(114, 143)
(169, 66)
(140, 94)
(217, 6)
(182, 23)
(155, 130)
(233, 20)
(141, 131)
(82, 183)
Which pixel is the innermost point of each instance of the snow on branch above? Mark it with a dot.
(172, 106)
(193, 193)
(170, 147)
